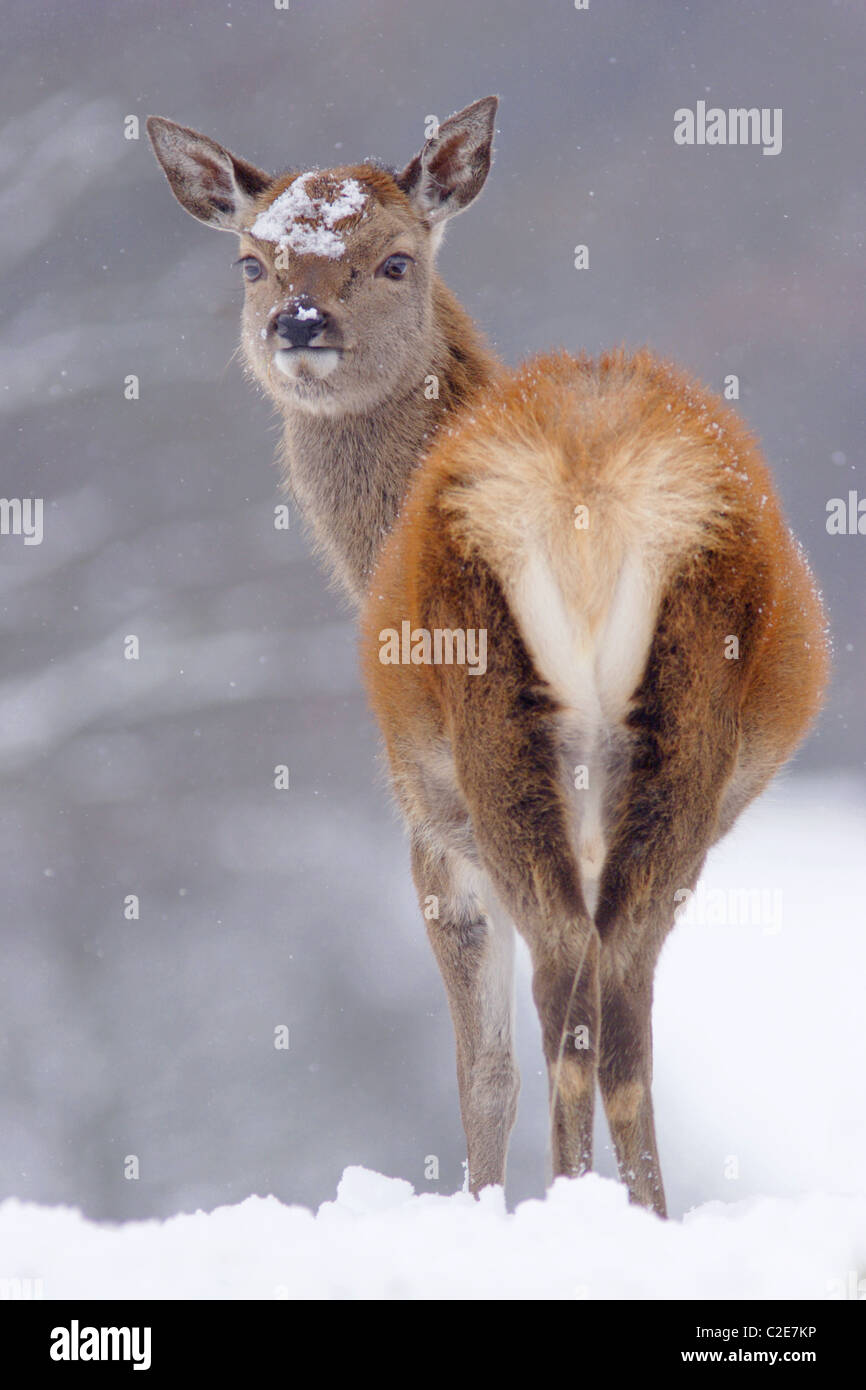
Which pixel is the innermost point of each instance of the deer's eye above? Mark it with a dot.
(395, 267)
(251, 268)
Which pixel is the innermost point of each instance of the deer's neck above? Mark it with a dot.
(351, 473)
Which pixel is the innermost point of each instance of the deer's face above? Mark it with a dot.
(337, 301)
(338, 263)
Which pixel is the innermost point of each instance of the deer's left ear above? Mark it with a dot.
(213, 185)
(452, 168)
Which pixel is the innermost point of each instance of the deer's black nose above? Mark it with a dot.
(300, 325)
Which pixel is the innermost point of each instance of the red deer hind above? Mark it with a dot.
(588, 635)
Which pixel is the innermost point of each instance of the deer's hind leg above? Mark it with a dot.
(684, 729)
(505, 744)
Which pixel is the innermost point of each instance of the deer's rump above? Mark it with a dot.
(587, 489)
(592, 518)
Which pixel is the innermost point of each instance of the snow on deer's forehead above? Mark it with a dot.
(306, 221)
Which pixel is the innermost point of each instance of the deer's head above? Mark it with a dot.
(338, 263)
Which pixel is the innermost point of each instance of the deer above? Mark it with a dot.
(655, 646)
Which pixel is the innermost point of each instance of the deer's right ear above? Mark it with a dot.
(212, 184)
(451, 169)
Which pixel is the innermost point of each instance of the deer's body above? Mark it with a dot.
(654, 643)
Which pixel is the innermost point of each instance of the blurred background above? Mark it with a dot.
(155, 1037)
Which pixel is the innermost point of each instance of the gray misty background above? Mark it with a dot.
(155, 1037)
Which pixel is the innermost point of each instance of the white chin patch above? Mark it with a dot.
(299, 364)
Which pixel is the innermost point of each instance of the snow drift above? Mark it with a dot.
(379, 1240)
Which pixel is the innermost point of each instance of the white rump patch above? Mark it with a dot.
(304, 223)
(593, 674)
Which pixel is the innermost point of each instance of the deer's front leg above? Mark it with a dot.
(476, 959)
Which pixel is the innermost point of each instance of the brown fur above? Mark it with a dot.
(669, 470)
(611, 527)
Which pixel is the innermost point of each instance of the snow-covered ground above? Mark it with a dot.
(760, 1103)
(378, 1240)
